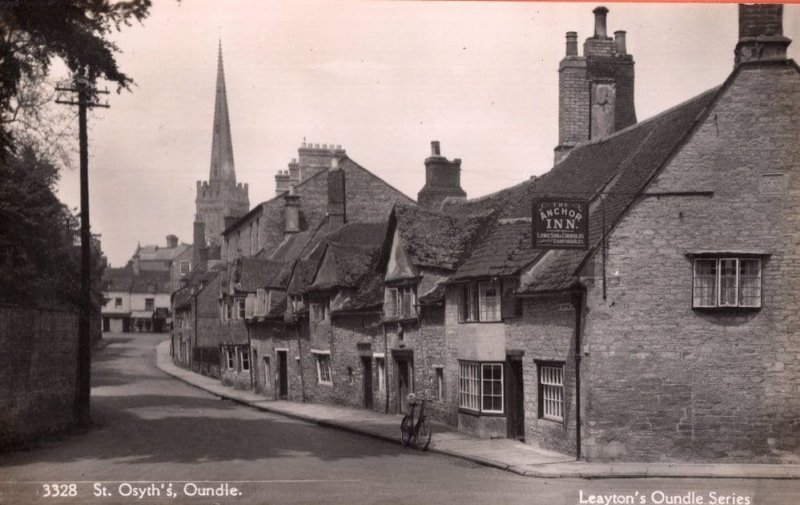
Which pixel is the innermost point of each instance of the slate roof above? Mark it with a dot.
(351, 262)
(182, 298)
(257, 273)
(503, 250)
(118, 279)
(433, 239)
(156, 253)
(369, 294)
(621, 165)
(151, 281)
(304, 268)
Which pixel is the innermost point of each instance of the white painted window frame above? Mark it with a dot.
(317, 355)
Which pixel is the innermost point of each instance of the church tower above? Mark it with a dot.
(220, 199)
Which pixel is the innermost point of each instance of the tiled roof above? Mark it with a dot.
(303, 274)
(369, 294)
(156, 253)
(352, 263)
(431, 287)
(626, 161)
(117, 279)
(304, 268)
(257, 273)
(363, 234)
(182, 298)
(148, 281)
(433, 239)
(503, 250)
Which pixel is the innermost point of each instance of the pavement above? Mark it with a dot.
(504, 454)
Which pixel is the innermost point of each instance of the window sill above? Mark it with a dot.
(321, 383)
(497, 321)
(552, 421)
(726, 310)
(475, 413)
(407, 319)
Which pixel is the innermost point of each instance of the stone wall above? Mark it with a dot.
(38, 376)
(667, 381)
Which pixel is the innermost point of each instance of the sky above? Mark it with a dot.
(381, 78)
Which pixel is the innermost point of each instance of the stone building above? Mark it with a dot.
(363, 196)
(672, 336)
(680, 315)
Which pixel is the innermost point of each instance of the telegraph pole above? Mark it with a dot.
(82, 410)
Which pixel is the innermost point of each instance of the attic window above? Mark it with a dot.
(320, 310)
(400, 303)
(479, 302)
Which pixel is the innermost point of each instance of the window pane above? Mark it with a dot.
(705, 283)
(552, 391)
(488, 301)
(727, 282)
(750, 282)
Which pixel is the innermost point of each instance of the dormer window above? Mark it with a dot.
(400, 302)
(298, 303)
(320, 310)
(479, 302)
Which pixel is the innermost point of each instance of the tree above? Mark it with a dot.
(39, 261)
(34, 32)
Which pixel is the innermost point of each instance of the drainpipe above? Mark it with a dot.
(578, 296)
(385, 366)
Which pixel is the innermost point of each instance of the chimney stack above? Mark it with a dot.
(761, 34)
(595, 91)
(600, 22)
(442, 179)
(291, 208)
(172, 241)
(337, 196)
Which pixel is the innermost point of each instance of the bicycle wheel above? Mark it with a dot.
(406, 429)
(424, 435)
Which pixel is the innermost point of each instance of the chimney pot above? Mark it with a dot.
(435, 148)
(620, 42)
(600, 22)
(572, 43)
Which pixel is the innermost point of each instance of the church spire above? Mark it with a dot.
(221, 145)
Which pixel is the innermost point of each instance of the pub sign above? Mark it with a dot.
(560, 223)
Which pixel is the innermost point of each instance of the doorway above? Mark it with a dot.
(283, 375)
(405, 381)
(366, 379)
(515, 399)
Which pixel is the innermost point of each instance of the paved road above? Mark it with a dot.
(156, 434)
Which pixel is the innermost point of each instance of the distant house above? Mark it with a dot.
(116, 312)
(175, 258)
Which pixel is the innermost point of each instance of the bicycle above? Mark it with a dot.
(418, 431)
